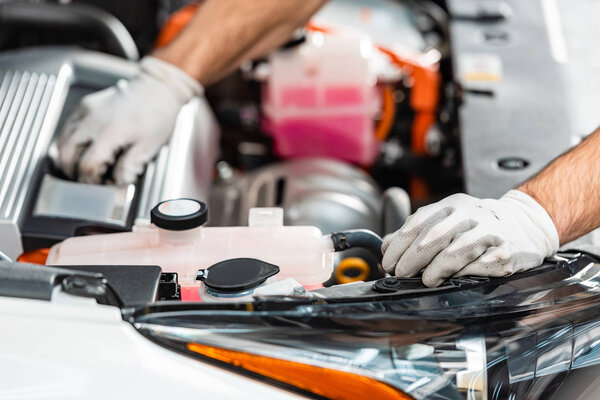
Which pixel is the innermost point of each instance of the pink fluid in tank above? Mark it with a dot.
(342, 96)
(321, 100)
(348, 138)
(299, 96)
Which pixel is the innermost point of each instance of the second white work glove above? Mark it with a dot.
(133, 119)
(463, 235)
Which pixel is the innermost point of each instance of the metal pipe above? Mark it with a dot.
(112, 34)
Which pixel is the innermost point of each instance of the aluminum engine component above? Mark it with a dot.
(109, 30)
(38, 87)
(318, 192)
(531, 85)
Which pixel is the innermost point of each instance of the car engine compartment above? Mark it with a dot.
(259, 224)
(361, 118)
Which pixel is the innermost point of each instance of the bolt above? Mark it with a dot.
(299, 290)
(78, 283)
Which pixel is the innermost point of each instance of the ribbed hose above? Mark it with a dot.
(358, 238)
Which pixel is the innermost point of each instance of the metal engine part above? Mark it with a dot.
(38, 88)
(325, 193)
(82, 18)
(531, 85)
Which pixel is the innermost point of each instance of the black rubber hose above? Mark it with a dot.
(112, 34)
(358, 238)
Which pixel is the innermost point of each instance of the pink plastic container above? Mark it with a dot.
(321, 100)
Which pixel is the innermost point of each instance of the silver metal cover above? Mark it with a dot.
(34, 85)
(532, 85)
(24, 130)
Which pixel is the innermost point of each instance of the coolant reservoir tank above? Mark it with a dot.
(177, 242)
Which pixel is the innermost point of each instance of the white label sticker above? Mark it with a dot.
(480, 68)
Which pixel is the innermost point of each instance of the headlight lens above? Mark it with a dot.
(325, 382)
(513, 338)
(339, 365)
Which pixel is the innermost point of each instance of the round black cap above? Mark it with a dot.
(237, 275)
(179, 214)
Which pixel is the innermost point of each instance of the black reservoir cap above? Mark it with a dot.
(237, 275)
(179, 214)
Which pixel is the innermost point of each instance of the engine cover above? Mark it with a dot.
(38, 88)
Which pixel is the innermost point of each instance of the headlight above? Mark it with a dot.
(337, 363)
(507, 338)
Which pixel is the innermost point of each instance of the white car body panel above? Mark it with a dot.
(77, 349)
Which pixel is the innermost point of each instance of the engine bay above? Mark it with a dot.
(370, 112)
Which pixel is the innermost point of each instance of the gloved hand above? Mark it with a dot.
(134, 118)
(463, 235)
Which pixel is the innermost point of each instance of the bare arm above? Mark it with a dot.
(569, 189)
(225, 33)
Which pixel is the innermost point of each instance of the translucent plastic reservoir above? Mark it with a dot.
(321, 99)
(301, 252)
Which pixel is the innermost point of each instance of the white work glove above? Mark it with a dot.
(463, 235)
(134, 118)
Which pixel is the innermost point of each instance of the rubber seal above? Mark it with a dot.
(179, 214)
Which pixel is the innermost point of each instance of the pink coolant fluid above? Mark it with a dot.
(321, 100)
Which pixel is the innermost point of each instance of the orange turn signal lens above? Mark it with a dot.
(324, 382)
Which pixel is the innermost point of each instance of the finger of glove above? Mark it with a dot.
(414, 223)
(425, 215)
(79, 116)
(430, 243)
(132, 163)
(464, 249)
(400, 241)
(74, 139)
(101, 153)
(496, 261)
(71, 123)
(387, 239)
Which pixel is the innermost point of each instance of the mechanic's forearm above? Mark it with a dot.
(225, 33)
(569, 188)
(264, 46)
